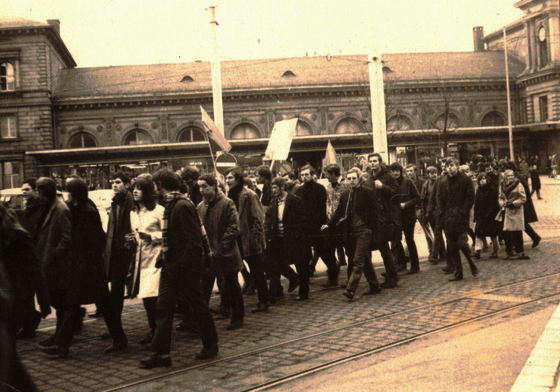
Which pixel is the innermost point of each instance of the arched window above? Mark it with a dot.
(191, 134)
(452, 122)
(543, 46)
(399, 123)
(82, 140)
(137, 137)
(349, 125)
(493, 119)
(7, 78)
(245, 131)
(303, 129)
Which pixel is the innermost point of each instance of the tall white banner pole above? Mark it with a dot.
(378, 123)
(510, 129)
(216, 73)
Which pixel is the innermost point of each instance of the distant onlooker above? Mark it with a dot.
(535, 182)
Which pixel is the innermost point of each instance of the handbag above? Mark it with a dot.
(500, 216)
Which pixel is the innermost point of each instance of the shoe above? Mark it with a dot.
(47, 342)
(510, 256)
(389, 284)
(105, 336)
(148, 338)
(155, 361)
(373, 290)
(234, 325)
(187, 328)
(301, 298)
(447, 271)
(61, 352)
(401, 268)
(116, 346)
(536, 242)
(330, 285)
(476, 254)
(522, 256)
(403, 272)
(494, 255)
(261, 307)
(225, 313)
(294, 283)
(431, 260)
(474, 271)
(413, 272)
(456, 278)
(207, 353)
(97, 314)
(348, 294)
(540, 198)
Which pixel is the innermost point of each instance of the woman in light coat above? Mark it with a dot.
(511, 199)
(147, 223)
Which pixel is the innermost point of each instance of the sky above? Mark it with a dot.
(125, 32)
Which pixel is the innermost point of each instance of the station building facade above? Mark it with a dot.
(57, 119)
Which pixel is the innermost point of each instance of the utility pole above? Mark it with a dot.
(378, 121)
(216, 72)
(510, 129)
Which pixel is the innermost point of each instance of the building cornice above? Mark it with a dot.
(541, 76)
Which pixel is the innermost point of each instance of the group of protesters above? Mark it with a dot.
(172, 236)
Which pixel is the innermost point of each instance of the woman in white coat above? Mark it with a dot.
(512, 197)
(147, 223)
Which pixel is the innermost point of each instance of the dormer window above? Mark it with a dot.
(7, 77)
(288, 74)
(187, 79)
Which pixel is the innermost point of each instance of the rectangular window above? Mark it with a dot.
(11, 174)
(8, 128)
(543, 108)
(7, 77)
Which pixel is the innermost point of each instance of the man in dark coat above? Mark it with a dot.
(314, 198)
(117, 256)
(357, 213)
(388, 225)
(86, 276)
(438, 247)
(535, 182)
(52, 244)
(182, 268)
(219, 217)
(286, 240)
(408, 199)
(412, 174)
(264, 177)
(455, 198)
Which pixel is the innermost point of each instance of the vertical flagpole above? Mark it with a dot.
(510, 130)
(216, 73)
(378, 124)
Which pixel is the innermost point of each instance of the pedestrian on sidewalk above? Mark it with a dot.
(512, 198)
(535, 182)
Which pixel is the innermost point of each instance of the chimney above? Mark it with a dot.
(55, 23)
(478, 33)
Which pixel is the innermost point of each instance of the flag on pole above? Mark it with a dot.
(330, 156)
(213, 132)
(281, 140)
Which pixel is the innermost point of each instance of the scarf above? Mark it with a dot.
(233, 194)
(507, 189)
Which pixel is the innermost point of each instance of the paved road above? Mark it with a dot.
(296, 337)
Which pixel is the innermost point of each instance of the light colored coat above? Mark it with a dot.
(514, 219)
(150, 222)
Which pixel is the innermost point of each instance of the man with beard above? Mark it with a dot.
(454, 200)
(117, 256)
(52, 244)
(314, 198)
(388, 225)
(286, 241)
(251, 240)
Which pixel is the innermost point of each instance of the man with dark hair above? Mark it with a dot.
(286, 241)
(335, 188)
(412, 174)
(190, 175)
(454, 200)
(52, 244)
(251, 241)
(357, 214)
(219, 216)
(438, 246)
(182, 267)
(264, 176)
(117, 256)
(314, 198)
(388, 224)
(408, 199)
(292, 182)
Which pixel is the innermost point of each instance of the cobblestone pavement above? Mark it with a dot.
(295, 336)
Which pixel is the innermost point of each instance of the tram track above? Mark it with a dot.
(512, 305)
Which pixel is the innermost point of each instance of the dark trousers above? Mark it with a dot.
(412, 250)
(150, 304)
(256, 267)
(387, 257)
(232, 297)
(514, 239)
(360, 243)
(325, 248)
(58, 301)
(531, 232)
(186, 277)
(74, 313)
(459, 242)
(438, 247)
(118, 283)
(280, 266)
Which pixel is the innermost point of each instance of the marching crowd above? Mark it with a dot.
(171, 237)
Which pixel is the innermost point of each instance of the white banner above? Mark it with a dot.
(281, 140)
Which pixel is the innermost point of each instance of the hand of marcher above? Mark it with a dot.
(144, 236)
(324, 227)
(378, 184)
